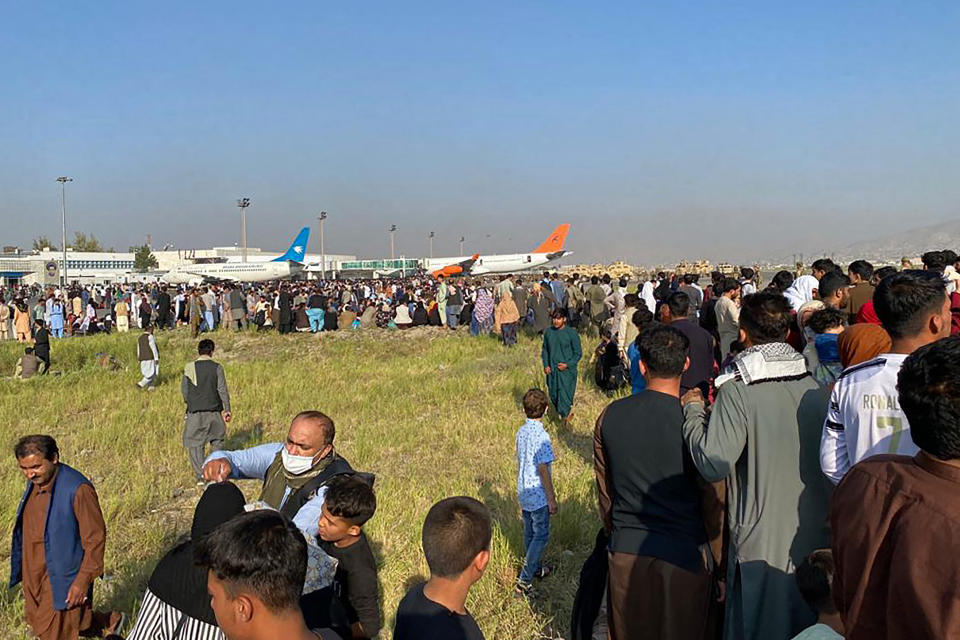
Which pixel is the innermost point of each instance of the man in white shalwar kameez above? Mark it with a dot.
(149, 358)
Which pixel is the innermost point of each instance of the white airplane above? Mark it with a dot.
(549, 251)
(280, 268)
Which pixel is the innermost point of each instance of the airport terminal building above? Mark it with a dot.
(45, 267)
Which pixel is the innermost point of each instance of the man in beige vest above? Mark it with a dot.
(122, 312)
(4, 320)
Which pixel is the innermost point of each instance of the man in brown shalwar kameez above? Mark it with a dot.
(58, 545)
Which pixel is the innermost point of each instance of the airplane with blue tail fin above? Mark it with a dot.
(298, 249)
(282, 267)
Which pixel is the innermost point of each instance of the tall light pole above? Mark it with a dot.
(431, 245)
(63, 180)
(461, 245)
(323, 254)
(393, 228)
(243, 203)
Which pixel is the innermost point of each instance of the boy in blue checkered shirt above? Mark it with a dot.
(534, 488)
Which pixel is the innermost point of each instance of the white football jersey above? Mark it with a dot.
(864, 417)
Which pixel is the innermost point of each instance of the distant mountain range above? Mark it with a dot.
(891, 248)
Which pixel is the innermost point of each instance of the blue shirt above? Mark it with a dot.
(637, 381)
(253, 463)
(533, 449)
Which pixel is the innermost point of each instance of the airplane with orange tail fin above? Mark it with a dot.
(549, 251)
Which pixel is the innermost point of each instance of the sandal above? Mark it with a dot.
(543, 571)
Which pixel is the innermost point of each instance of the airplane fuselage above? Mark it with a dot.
(232, 271)
(501, 263)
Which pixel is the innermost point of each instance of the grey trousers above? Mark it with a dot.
(239, 316)
(200, 428)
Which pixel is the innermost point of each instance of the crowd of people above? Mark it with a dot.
(777, 462)
(502, 307)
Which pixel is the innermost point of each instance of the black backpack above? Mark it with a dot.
(610, 374)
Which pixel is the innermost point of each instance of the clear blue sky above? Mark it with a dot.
(660, 130)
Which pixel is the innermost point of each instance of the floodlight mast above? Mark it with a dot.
(63, 180)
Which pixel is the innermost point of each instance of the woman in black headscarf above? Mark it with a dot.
(176, 605)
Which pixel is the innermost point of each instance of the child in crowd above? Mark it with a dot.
(534, 488)
(642, 319)
(456, 542)
(815, 580)
(827, 324)
(353, 611)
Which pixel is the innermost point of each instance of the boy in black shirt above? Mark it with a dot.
(354, 608)
(456, 543)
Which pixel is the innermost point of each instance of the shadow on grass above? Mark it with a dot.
(376, 547)
(127, 584)
(572, 530)
(505, 512)
(244, 438)
(579, 443)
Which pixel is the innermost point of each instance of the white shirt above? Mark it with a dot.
(818, 631)
(646, 294)
(864, 417)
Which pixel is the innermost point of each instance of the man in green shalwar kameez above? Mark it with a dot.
(560, 353)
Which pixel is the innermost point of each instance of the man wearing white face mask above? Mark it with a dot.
(294, 472)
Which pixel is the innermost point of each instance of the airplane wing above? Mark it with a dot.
(464, 266)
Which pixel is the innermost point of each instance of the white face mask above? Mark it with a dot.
(295, 464)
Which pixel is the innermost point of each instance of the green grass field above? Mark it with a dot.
(433, 414)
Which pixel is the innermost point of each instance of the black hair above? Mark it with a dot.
(883, 272)
(830, 283)
(325, 422)
(688, 278)
(729, 284)
(765, 317)
(949, 256)
(815, 581)
(827, 318)
(46, 446)
(679, 304)
(594, 280)
(631, 300)
(206, 346)
(534, 403)
(929, 387)
(747, 273)
(454, 532)
(934, 261)
(350, 497)
(559, 312)
(261, 553)
(782, 281)
(824, 264)
(903, 301)
(642, 317)
(663, 351)
(622, 282)
(862, 268)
